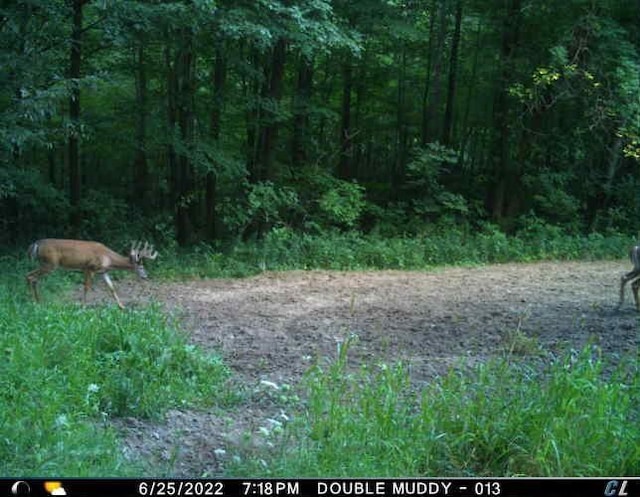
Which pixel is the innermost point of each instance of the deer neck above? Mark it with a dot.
(120, 262)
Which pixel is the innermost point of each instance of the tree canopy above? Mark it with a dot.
(209, 120)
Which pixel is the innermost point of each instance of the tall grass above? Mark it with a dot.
(66, 370)
(497, 419)
(284, 249)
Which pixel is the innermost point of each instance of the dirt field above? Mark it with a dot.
(272, 327)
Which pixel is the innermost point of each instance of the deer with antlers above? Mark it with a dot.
(89, 257)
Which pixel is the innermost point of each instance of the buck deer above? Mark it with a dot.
(633, 275)
(89, 257)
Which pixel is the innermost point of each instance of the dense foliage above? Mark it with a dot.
(561, 417)
(219, 120)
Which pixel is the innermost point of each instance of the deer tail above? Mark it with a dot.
(32, 251)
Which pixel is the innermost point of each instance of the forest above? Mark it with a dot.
(209, 121)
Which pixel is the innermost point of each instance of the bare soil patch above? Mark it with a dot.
(272, 327)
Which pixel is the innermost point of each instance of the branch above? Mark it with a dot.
(92, 25)
(88, 54)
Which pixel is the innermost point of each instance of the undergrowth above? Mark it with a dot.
(501, 418)
(66, 370)
(283, 249)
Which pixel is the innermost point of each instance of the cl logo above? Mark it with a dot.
(615, 488)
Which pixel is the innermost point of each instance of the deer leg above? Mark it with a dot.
(88, 277)
(109, 283)
(635, 286)
(624, 280)
(32, 279)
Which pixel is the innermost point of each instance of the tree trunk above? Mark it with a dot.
(359, 163)
(140, 165)
(172, 119)
(325, 89)
(397, 174)
(185, 73)
(447, 127)
(180, 93)
(75, 63)
(346, 144)
(274, 74)
(506, 186)
(433, 88)
(252, 91)
(267, 125)
(602, 200)
(51, 162)
(427, 79)
(301, 102)
(219, 75)
(471, 84)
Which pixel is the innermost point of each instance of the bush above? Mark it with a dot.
(283, 248)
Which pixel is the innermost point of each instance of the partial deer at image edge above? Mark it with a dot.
(633, 275)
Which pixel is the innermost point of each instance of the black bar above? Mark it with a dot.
(305, 487)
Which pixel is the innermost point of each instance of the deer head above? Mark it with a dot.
(139, 252)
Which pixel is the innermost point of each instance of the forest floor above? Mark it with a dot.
(272, 327)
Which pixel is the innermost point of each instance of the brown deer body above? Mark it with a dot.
(90, 257)
(633, 275)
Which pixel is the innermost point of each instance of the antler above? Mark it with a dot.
(148, 252)
(145, 251)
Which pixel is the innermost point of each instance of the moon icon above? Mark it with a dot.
(20, 487)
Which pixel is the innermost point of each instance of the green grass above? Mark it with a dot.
(283, 249)
(497, 419)
(66, 370)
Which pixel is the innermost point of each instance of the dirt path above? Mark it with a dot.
(272, 327)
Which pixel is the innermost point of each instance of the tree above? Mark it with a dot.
(211, 121)
(75, 67)
(505, 191)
